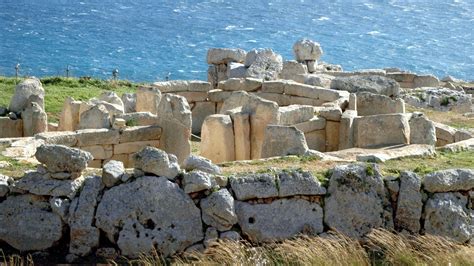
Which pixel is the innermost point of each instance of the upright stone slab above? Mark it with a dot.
(241, 124)
(200, 111)
(381, 130)
(69, 120)
(375, 104)
(332, 135)
(34, 119)
(23, 91)
(96, 117)
(282, 141)
(217, 139)
(175, 119)
(148, 99)
(422, 130)
(409, 205)
(346, 130)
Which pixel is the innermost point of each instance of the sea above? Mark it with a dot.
(148, 40)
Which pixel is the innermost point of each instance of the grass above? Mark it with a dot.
(16, 169)
(453, 119)
(57, 89)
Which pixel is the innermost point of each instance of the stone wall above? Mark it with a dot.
(178, 210)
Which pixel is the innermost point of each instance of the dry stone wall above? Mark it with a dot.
(176, 209)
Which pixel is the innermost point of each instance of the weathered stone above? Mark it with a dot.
(182, 86)
(316, 140)
(216, 56)
(217, 139)
(132, 147)
(218, 210)
(156, 161)
(60, 158)
(5, 182)
(194, 162)
(315, 123)
(346, 130)
(254, 186)
(294, 114)
(240, 84)
(66, 138)
(282, 141)
(465, 145)
(409, 205)
(356, 200)
(449, 180)
(84, 236)
(196, 181)
(60, 206)
(175, 119)
(112, 173)
(230, 235)
(26, 225)
(305, 50)
(299, 183)
(241, 123)
(281, 219)
(461, 135)
(422, 130)
(381, 130)
(129, 102)
(200, 111)
(425, 81)
(446, 215)
(10, 128)
(320, 80)
(96, 117)
(34, 119)
(376, 104)
(112, 98)
(139, 119)
(332, 113)
(99, 152)
(332, 135)
(444, 134)
(140, 133)
(236, 70)
(148, 99)
(291, 69)
(164, 217)
(367, 83)
(91, 137)
(23, 91)
(42, 184)
(263, 64)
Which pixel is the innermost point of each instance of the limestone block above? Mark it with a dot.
(352, 102)
(96, 164)
(196, 181)
(263, 64)
(132, 147)
(320, 80)
(295, 114)
(218, 95)
(34, 120)
(367, 83)
(315, 123)
(306, 49)
(381, 130)
(409, 205)
(175, 119)
(299, 183)
(140, 133)
(444, 133)
(99, 152)
(292, 68)
(316, 140)
(157, 162)
(236, 70)
(69, 120)
(42, 184)
(175, 86)
(346, 130)
(200, 111)
(425, 81)
(148, 99)
(461, 135)
(96, 117)
(280, 99)
(113, 99)
(193, 96)
(375, 104)
(218, 210)
(129, 102)
(282, 141)
(241, 124)
(139, 119)
(30, 87)
(449, 180)
(332, 135)
(240, 84)
(58, 158)
(254, 186)
(274, 86)
(332, 113)
(216, 56)
(194, 162)
(402, 77)
(90, 137)
(422, 130)
(112, 172)
(10, 128)
(217, 139)
(281, 219)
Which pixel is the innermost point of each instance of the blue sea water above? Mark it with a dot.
(146, 39)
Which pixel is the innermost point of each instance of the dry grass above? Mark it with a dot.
(453, 119)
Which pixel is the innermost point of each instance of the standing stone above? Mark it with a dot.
(409, 206)
(23, 91)
(34, 119)
(69, 120)
(241, 123)
(27, 225)
(129, 102)
(164, 217)
(156, 161)
(422, 130)
(217, 139)
(282, 141)
(175, 118)
(112, 172)
(307, 50)
(200, 111)
(346, 130)
(446, 215)
(148, 99)
(59, 158)
(281, 219)
(96, 117)
(356, 200)
(83, 235)
(218, 210)
(332, 135)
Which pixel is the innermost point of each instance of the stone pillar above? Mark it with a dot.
(217, 139)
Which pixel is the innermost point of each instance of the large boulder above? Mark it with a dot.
(129, 102)
(374, 84)
(216, 56)
(23, 91)
(96, 117)
(422, 130)
(282, 141)
(357, 200)
(196, 181)
(175, 118)
(376, 104)
(446, 215)
(283, 218)
(34, 119)
(59, 158)
(194, 162)
(218, 210)
(263, 64)
(157, 162)
(164, 217)
(449, 180)
(42, 184)
(27, 224)
(409, 205)
(307, 50)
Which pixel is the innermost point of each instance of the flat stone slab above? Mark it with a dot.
(385, 153)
